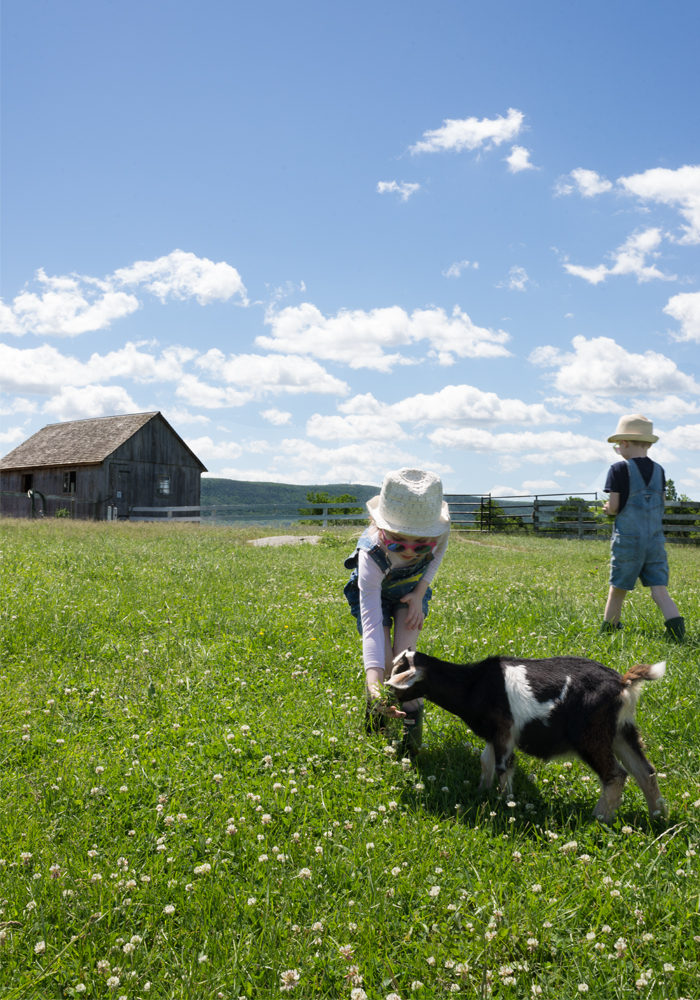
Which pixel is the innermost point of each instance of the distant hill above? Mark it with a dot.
(251, 494)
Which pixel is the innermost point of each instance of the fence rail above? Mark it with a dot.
(547, 514)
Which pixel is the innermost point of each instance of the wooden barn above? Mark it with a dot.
(100, 469)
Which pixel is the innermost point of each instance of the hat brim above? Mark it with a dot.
(427, 531)
(641, 438)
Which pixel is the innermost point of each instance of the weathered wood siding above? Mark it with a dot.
(136, 471)
(152, 468)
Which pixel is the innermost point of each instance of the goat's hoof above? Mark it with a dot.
(602, 817)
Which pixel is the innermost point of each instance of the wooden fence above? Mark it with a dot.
(544, 514)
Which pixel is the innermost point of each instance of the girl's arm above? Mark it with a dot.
(369, 580)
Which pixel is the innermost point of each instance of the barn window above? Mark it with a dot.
(163, 486)
(27, 482)
(69, 481)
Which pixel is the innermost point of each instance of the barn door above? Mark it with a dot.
(121, 489)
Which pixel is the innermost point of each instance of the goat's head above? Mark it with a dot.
(407, 678)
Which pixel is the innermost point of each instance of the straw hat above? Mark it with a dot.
(411, 503)
(634, 428)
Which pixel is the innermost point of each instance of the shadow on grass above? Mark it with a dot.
(448, 773)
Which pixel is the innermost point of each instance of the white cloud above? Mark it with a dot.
(457, 405)
(519, 159)
(628, 259)
(518, 280)
(16, 404)
(207, 450)
(666, 408)
(12, 436)
(70, 305)
(534, 486)
(360, 339)
(367, 419)
(471, 133)
(685, 308)
(66, 307)
(685, 437)
(587, 182)
(678, 189)
(76, 403)
(183, 275)
(177, 415)
(194, 392)
(524, 447)
(600, 367)
(404, 189)
(278, 418)
(274, 373)
(355, 427)
(456, 269)
(44, 369)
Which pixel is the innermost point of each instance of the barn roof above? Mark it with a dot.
(81, 442)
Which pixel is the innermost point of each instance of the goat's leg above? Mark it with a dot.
(498, 758)
(488, 767)
(628, 749)
(505, 769)
(612, 779)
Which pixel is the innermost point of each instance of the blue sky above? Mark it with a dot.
(328, 240)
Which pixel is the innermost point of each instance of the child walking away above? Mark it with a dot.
(393, 565)
(636, 488)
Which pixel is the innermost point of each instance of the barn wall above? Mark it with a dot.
(84, 502)
(136, 471)
(134, 475)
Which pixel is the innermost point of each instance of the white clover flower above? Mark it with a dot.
(40, 947)
(289, 979)
(168, 910)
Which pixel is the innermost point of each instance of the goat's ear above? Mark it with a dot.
(402, 662)
(405, 679)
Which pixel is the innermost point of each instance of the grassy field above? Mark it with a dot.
(190, 807)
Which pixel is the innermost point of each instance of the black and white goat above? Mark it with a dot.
(561, 706)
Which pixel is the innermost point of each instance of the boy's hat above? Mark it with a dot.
(634, 428)
(411, 503)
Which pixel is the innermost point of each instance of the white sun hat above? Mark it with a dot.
(411, 503)
(634, 428)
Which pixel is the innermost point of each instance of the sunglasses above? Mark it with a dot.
(420, 548)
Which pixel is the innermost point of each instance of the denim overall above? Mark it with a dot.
(398, 580)
(637, 546)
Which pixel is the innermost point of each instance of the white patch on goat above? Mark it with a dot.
(524, 706)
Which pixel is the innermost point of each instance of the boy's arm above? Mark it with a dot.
(612, 504)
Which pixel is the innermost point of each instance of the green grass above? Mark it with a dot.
(190, 807)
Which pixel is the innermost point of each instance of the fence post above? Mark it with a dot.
(536, 514)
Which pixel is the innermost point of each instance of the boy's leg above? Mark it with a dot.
(675, 624)
(664, 602)
(613, 607)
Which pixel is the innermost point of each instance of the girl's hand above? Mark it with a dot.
(414, 614)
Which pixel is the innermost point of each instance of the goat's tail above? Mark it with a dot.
(642, 672)
(631, 688)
